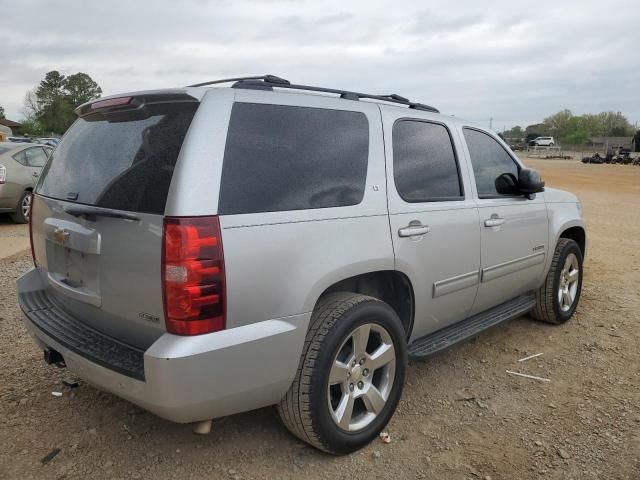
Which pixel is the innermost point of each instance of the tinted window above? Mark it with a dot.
(424, 162)
(292, 158)
(36, 157)
(121, 160)
(489, 161)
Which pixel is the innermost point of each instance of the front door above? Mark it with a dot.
(433, 219)
(514, 229)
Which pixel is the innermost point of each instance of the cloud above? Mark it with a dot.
(515, 63)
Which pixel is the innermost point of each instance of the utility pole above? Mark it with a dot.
(490, 123)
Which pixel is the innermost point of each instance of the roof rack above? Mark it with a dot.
(268, 82)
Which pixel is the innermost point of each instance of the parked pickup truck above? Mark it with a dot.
(209, 250)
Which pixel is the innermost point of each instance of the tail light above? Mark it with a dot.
(193, 276)
(33, 252)
(3, 174)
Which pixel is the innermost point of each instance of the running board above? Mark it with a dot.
(441, 339)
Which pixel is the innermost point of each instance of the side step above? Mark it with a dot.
(441, 339)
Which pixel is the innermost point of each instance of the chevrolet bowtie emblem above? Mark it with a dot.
(61, 235)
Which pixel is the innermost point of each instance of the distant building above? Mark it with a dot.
(611, 143)
(9, 128)
(5, 132)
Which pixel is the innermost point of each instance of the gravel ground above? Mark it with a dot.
(461, 416)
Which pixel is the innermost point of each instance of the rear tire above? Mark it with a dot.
(21, 215)
(316, 407)
(557, 299)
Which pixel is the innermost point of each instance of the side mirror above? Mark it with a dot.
(507, 184)
(530, 182)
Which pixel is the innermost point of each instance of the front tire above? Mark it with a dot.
(350, 376)
(557, 299)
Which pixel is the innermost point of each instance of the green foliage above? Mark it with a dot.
(535, 130)
(80, 88)
(577, 129)
(531, 136)
(2, 112)
(515, 132)
(33, 128)
(579, 137)
(50, 107)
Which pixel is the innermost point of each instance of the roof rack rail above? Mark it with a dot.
(268, 82)
(266, 78)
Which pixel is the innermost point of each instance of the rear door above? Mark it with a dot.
(98, 214)
(433, 218)
(513, 228)
(18, 177)
(36, 159)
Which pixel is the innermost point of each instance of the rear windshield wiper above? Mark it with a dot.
(91, 213)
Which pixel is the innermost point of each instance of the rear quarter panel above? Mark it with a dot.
(279, 263)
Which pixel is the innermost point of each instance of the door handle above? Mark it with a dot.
(494, 221)
(414, 230)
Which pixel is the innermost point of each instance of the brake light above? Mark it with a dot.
(193, 278)
(33, 252)
(111, 102)
(3, 174)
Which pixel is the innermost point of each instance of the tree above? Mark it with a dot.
(51, 88)
(577, 129)
(30, 107)
(515, 132)
(2, 112)
(49, 107)
(31, 127)
(81, 88)
(636, 139)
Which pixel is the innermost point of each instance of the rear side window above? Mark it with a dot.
(21, 158)
(36, 157)
(281, 157)
(424, 162)
(122, 160)
(489, 161)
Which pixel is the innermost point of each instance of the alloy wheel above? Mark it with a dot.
(361, 377)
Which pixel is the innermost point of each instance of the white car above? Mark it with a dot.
(544, 142)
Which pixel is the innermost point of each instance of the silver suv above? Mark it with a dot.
(206, 251)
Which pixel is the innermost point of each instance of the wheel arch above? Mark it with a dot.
(390, 286)
(577, 234)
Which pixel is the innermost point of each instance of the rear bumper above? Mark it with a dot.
(187, 379)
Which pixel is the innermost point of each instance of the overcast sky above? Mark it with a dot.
(514, 61)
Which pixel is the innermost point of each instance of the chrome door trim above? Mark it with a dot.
(512, 266)
(454, 284)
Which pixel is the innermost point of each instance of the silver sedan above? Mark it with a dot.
(20, 167)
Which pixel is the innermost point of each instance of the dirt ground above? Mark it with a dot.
(461, 416)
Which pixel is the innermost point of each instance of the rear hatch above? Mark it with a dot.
(98, 211)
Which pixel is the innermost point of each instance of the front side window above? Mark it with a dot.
(489, 160)
(424, 162)
(280, 157)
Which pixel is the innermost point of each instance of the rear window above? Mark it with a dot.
(281, 157)
(122, 160)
